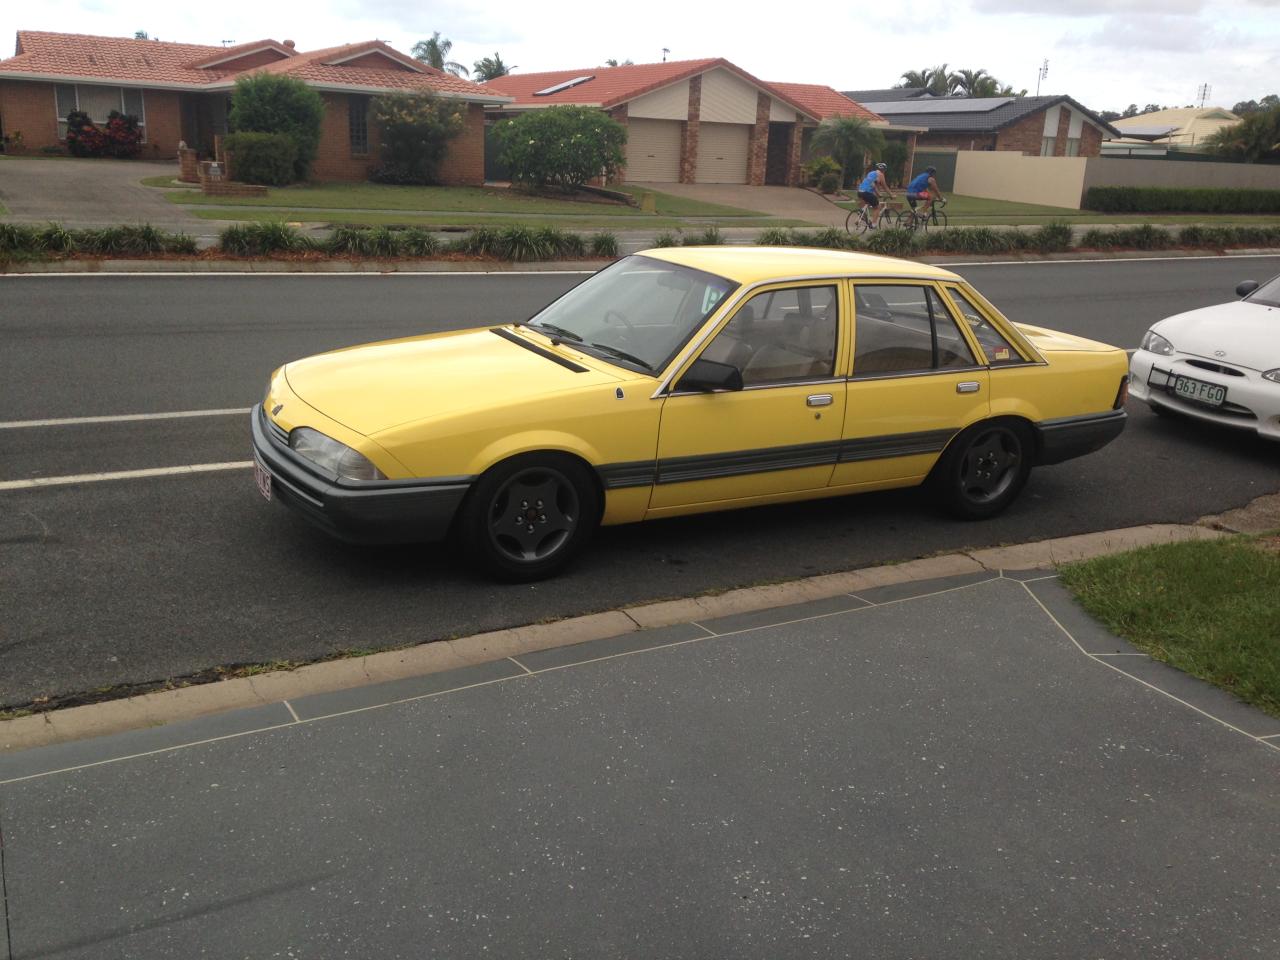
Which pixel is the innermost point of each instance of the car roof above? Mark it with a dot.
(758, 264)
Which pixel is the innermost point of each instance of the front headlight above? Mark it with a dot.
(1154, 343)
(333, 456)
(1272, 375)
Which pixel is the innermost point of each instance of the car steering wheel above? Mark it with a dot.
(610, 316)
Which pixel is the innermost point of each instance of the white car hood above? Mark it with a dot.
(1248, 334)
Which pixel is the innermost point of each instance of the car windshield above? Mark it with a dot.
(637, 313)
(1268, 294)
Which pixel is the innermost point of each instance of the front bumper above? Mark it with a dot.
(386, 511)
(1072, 437)
(1252, 403)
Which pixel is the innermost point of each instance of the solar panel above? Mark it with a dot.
(1156, 130)
(562, 86)
(940, 105)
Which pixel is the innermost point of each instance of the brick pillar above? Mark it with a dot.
(620, 114)
(188, 160)
(794, 173)
(689, 138)
(758, 142)
(1064, 126)
(911, 156)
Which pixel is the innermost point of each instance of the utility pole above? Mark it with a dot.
(1203, 93)
(1041, 74)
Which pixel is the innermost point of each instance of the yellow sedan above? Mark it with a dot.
(679, 381)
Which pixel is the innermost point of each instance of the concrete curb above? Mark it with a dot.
(186, 703)
(99, 267)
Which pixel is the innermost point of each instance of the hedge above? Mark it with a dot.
(1181, 200)
(266, 158)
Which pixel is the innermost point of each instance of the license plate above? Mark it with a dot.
(1198, 391)
(262, 479)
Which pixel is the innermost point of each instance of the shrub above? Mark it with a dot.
(894, 242)
(19, 238)
(483, 242)
(1181, 200)
(604, 245)
(353, 241)
(776, 237)
(829, 238)
(710, 237)
(266, 158)
(818, 168)
(521, 243)
(181, 243)
(414, 130)
(55, 238)
(385, 242)
(668, 239)
(561, 146)
(562, 243)
(1053, 237)
(256, 239)
(419, 242)
(271, 103)
(235, 241)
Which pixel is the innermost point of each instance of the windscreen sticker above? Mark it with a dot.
(1002, 353)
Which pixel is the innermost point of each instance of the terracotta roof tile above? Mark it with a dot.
(824, 102)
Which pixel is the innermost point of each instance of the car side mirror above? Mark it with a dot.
(710, 375)
(1246, 287)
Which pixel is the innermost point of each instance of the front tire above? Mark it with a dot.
(984, 469)
(529, 516)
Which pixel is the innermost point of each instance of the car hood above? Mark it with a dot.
(377, 386)
(1248, 334)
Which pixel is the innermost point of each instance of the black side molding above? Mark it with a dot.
(1071, 437)
(540, 351)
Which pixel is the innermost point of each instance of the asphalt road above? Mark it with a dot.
(128, 581)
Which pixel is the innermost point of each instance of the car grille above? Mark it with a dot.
(1216, 368)
(277, 432)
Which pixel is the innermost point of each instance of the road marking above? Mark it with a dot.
(123, 418)
(1029, 263)
(125, 475)
(311, 273)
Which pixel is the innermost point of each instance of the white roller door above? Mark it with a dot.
(653, 150)
(722, 152)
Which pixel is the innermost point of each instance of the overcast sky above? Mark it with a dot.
(1105, 53)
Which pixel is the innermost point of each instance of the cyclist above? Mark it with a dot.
(869, 190)
(924, 186)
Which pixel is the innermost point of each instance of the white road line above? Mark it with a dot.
(123, 418)
(1030, 263)
(311, 273)
(190, 468)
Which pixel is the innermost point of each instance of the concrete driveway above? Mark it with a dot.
(792, 203)
(88, 193)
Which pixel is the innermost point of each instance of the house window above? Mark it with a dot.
(358, 124)
(1046, 146)
(98, 102)
(1073, 146)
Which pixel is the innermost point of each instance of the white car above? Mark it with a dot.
(1219, 363)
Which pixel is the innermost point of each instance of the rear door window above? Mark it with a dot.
(994, 344)
(904, 328)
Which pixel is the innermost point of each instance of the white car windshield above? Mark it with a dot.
(638, 312)
(1268, 294)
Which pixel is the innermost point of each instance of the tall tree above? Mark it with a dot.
(141, 35)
(490, 67)
(1256, 137)
(935, 80)
(435, 53)
(973, 83)
(848, 140)
(613, 62)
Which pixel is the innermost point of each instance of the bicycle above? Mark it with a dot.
(859, 222)
(915, 220)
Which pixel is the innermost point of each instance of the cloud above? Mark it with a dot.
(1093, 8)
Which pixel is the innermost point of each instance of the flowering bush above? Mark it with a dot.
(119, 138)
(561, 146)
(414, 130)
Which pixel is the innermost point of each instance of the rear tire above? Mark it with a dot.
(984, 469)
(528, 517)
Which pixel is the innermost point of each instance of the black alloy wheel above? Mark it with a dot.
(528, 517)
(985, 468)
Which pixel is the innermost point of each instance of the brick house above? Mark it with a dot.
(182, 92)
(690, 121)
(1050, 126)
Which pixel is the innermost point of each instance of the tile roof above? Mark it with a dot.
(155, 63)
(611, 86)
(823, 102)
(987, 114)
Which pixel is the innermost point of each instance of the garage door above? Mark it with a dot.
(653, 150)
(722, 152)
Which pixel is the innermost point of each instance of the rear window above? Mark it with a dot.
(994, 344)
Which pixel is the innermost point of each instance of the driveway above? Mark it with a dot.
(792, 203)
(88, 193)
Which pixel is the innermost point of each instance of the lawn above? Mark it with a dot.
(466, 220)
(981, 211)
(1211, 608)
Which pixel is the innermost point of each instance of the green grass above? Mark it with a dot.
(668, 205)
(980, 211)
(465, 220)
(1210, 608)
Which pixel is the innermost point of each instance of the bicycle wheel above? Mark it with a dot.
(857, 222)
(907, 220)
(938, 219)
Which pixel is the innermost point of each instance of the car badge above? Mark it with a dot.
(277, 408)
(1219, 353)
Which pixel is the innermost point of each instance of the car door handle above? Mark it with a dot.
(968, 386)
(819, 400)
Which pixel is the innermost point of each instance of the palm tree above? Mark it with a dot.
(1254, 138)
(848, 140)
(613, 62)
(491, 67)
(973, 83)
(435, 52)
(935, 80)
(916, 78)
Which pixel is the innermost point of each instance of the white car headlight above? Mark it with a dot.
(333, 456)
(1154, 343)
(1272, 375)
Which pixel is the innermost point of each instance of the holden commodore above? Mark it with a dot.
(678, 381)
(1219, 363)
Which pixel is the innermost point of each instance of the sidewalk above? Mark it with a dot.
(960, 767)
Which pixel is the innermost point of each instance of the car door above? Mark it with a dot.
(917, 382)
(780, 434)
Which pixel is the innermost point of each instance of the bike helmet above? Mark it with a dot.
(882, 166)
(931, 170)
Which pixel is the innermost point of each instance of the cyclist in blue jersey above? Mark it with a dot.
(924, 186)
(869, 190)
